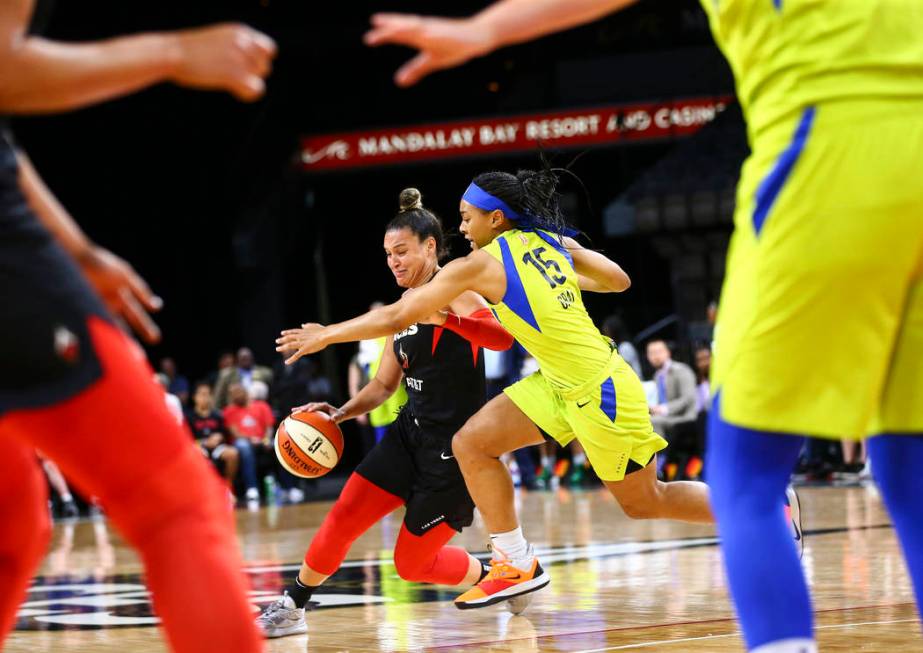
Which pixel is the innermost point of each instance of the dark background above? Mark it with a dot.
(201, 193)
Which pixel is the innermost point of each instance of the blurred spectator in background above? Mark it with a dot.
(357, 377)
(711, 315)
(251, 427)
(319, 386)
(290, 384)
(702, 372)
(178, 384)
(259, 393)
(244, 372)
(207, 426)
(172, 401)
(225, 361)
(674, 414)
(613, 327)
(501, 369)
(363, 367)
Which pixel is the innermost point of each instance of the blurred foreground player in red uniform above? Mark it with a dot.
(73, 384)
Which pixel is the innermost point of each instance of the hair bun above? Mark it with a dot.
(410, 199)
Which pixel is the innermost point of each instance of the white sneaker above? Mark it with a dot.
(281, 618)
(253, 494)
(295, 495)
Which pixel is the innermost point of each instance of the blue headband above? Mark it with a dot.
(477, 196)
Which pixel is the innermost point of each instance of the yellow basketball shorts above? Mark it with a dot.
(820, 325)
(608, 416)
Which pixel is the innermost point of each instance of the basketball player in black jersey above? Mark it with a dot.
(443, 370)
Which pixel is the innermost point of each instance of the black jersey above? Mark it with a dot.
(444, 375)
(45, 348)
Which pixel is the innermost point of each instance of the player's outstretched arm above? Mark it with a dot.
(446, 43)
(470, 273)
(597, 272)
(46, 76)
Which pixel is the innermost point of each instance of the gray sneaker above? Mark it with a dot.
(281, 618)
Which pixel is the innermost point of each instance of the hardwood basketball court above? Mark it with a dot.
(617, 585)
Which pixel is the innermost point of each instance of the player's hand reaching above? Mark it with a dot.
(124, 292)
(321, 407)
(229, 57)
(442, 42)
(306, 340)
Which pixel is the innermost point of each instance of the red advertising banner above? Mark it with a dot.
(575, 128)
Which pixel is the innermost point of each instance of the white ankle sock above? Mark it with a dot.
(547, 462)
(579, 459)
(511, 546)
(794, 645)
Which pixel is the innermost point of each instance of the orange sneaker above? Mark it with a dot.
(502, 583)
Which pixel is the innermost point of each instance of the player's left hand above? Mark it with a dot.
(306, 340)
(123, 290)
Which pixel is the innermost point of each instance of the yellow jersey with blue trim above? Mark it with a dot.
(543, 308)
(791, 54)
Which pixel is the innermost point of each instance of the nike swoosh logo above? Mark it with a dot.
(445, 457)
(583, 404)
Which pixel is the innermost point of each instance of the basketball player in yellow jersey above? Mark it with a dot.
(533, 276)
(820, 330)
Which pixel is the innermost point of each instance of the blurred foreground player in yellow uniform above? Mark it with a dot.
(820, 330)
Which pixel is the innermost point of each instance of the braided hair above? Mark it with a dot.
(531, 193)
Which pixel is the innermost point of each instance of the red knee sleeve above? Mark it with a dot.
(361, 504)
(426, 558)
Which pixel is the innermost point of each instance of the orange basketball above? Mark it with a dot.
(309, 444)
